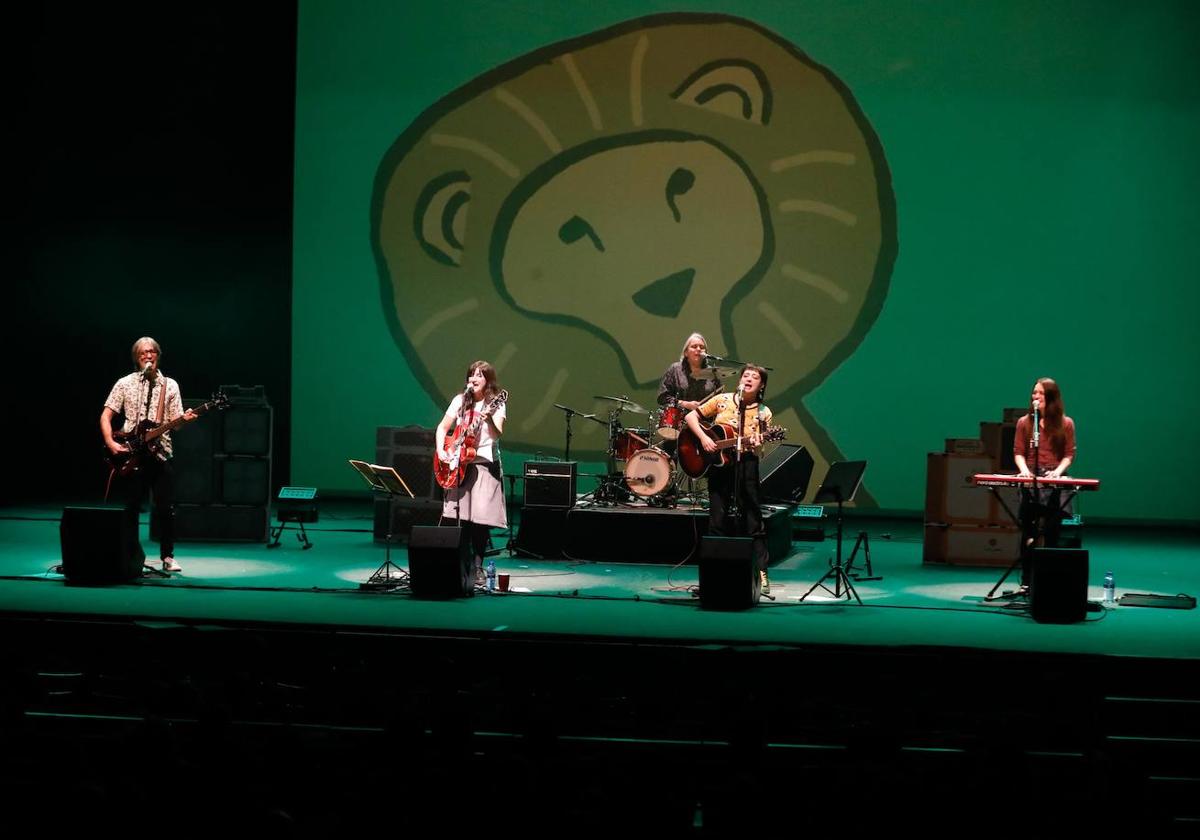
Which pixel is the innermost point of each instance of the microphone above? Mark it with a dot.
(149, 367)
(1037, 436)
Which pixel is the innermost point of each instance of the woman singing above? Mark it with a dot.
(688, 382)
(1046, 453)
(477, 503)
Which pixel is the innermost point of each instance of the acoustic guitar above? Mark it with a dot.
(695, 461)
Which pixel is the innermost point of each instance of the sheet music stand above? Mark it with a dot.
(840, 485)
(384, 480)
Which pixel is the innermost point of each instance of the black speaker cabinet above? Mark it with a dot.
(784, 474)
(409, 450)
(550, 484)
(100, 545)
(728, 578)
(1058, 585)
(440, 565)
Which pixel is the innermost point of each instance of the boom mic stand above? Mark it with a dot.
(840, 485)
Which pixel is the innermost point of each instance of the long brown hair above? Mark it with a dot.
(1053, 413)
(491, 388)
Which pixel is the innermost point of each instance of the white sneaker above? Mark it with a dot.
(169, 565)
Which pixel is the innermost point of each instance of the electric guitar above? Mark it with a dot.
(695, 461)
(460, 446)
(144, 439)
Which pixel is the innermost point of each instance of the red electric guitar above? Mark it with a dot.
(144, 439)
(695, 461)
(460, 446)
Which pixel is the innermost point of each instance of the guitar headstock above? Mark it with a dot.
(219, 401)
(775, 433)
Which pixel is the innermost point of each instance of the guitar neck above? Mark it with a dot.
(172, 425)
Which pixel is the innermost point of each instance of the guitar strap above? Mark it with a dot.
(162, 400)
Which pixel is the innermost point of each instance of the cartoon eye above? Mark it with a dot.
(732, 88)
(575, 228)
(680, 182)
(440, 217)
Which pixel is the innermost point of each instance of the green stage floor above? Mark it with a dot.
(913, 605)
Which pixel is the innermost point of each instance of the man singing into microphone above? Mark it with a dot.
(744, 413)
(146, 394)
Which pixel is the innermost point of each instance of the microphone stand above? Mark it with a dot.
(1035, 517)
(709, 359)
(570, 412)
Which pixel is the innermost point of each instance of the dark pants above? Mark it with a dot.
(721, 522)
(158, 479)
(1041, 517)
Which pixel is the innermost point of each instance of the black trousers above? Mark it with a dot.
(721, 496)
(156, 478)
(1041, 517)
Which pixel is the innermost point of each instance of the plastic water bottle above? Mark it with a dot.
(491, 575)
(1110, 589)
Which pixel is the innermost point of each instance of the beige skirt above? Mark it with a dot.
(479, 499)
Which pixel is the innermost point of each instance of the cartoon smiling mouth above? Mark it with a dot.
(665, 297)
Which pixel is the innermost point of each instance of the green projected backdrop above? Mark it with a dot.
(908, 215)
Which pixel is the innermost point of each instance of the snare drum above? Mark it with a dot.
(649, 472)
(670, 422)
(630, 441)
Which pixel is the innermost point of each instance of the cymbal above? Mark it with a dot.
(626, 404)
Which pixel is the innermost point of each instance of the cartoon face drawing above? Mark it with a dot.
(574, 214)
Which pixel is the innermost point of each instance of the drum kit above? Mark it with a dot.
(642, 462)
(639, 461)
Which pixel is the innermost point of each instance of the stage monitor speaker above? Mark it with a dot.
(550, 484)
(784, 474)
(1058, 585)
(100, 545)
(728, 577)
(440, 565)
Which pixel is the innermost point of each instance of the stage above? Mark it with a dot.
(598, 682)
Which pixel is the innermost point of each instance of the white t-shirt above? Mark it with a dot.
(484, 449)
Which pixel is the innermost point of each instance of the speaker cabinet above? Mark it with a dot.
(785, 473)
(728, 578)
(1058, 585)
(194, 446)
(439, 563)
(100, 545)
(245, 480)
(396, 516)
(550, 484)
(409, 451)
(213, 523)
(246, 430)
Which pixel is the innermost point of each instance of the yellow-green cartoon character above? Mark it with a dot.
(573, 215)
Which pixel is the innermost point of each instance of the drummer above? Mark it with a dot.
(686, 384)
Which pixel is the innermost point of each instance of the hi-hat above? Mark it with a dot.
(626, 404)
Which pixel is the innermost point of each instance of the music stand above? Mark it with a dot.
(840, 484)
(384, 480)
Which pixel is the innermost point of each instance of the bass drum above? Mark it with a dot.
(649, 472)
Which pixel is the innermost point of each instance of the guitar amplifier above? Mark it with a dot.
(550, 484)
